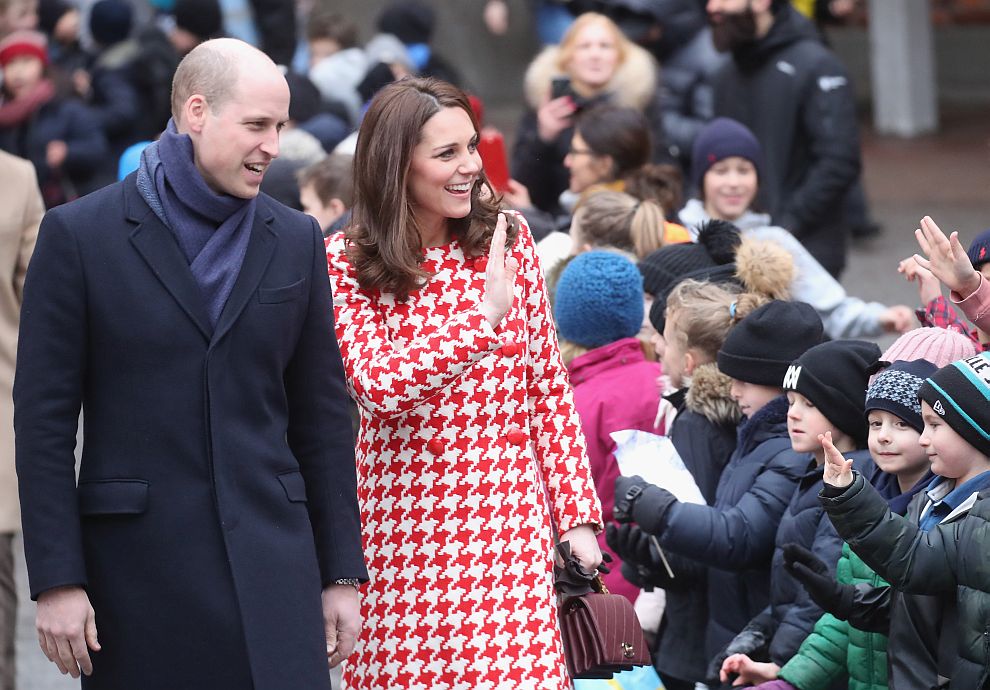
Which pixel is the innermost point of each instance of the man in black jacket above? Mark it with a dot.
(795, 95)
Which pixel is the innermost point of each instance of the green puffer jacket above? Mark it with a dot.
(835, 649)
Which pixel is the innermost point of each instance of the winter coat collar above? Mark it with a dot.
(769, 422)
(693, 215)
(887, 486)
(789, 26)
(709, 396)
(617, 354)
(633, 85)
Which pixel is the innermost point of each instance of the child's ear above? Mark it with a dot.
(690, 362)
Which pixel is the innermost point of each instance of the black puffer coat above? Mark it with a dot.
(949, 559)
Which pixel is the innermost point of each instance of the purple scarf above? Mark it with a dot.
(212, 229)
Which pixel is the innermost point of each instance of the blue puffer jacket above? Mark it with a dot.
(735, 535)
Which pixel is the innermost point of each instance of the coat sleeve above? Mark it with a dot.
(800, 617)
(34, 210)
(387, 380)
(48, 390)
(829, 120)
(821, 658)
(976, 307)
(319, 432)
(742, 536)
(555, 429)
(908, 558)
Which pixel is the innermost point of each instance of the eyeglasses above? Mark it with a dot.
(582, 152)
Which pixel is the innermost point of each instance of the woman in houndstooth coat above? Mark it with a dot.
(469, 453)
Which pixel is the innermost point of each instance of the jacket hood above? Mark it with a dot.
(680, 20)
(633, 85)
(709, 396)
(789, 26)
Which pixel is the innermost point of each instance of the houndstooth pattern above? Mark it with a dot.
(468, 449)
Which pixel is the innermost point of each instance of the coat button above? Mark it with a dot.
(480, 264)
(516, 436)
(435, 446)
(509, 349)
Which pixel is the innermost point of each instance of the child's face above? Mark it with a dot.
(752, 397)
(22, 74)
(805, 422)
(672, 355)
(894, 445)
(951, 455)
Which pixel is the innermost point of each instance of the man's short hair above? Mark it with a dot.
(208, 72)
(332, 178)
(323, 23)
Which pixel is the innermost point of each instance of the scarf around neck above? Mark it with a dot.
(15, 111)
(212, 229)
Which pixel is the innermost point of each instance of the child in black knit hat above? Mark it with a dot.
(728, 543)
(950, 559)
(826, 389)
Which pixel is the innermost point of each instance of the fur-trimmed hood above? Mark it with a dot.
(633, 85)
(709, 396)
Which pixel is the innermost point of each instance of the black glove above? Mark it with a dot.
(641, 564)
(811, 571)
(638, 501)
(750, 641)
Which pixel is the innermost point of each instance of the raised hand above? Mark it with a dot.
(500, 277)
(929, 287)
(947, 260)
(554, 117)
(838, 470)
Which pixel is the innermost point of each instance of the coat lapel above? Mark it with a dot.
(261, 247)
(156, 244)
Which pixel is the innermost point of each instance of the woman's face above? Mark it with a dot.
(445, 166)
(595, 56)
(729, 188)
(586, 167)
(22, 74)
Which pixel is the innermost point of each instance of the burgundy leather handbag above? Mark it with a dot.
(600, 631)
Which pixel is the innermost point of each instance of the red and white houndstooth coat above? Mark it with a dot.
(469, 447)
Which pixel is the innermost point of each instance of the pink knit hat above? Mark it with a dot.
(940, 346)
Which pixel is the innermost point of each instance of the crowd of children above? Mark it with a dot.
(771, 416)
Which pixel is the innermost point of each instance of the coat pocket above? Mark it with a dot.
(286, 293)
(112, 497)
(294, 485)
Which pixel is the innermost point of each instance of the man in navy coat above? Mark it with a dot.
(212, 540)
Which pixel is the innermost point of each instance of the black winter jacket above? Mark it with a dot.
(949, 560)
(793, 613)
(734, 537)
(795, 95)
(704, 434)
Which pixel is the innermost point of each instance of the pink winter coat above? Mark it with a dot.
(615, 388)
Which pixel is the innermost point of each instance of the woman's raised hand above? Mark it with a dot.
(554, 116)
(838, 470)
(947, 259)
(500, 277)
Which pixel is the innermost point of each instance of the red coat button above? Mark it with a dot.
(435, 446)
(481, 263)
(509, 349)
(516, 437)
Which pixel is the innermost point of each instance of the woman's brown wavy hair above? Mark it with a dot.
(384, 244)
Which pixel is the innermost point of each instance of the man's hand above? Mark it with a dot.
(748, 672)
(66, 625)
(838, 470)
(947, 260)
(929, 287)
(341, 621)
(584, 546)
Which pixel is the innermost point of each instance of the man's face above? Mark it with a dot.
(733, 23)
(236, 143)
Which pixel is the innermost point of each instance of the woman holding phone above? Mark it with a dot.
(594, 64)
(470, 453)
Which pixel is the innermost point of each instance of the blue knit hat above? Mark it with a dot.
(979, 249)
(895, 390)
(599, 299)
(720, 139)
